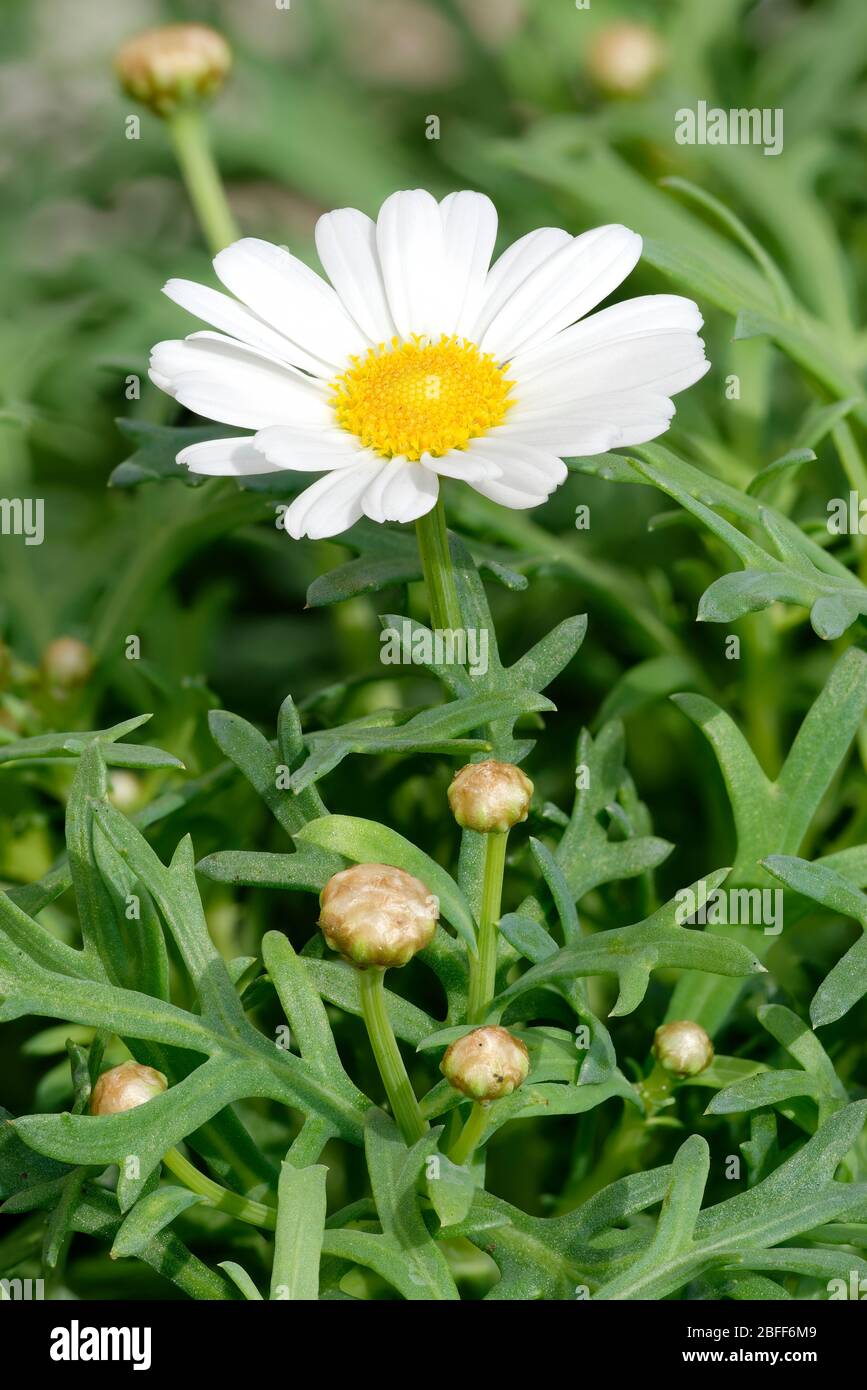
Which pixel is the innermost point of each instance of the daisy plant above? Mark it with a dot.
(419, 934)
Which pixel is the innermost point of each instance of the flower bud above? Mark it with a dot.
(124, 789)
(486, 1064)
(125, 1087)
(374, 914)
(682, 1048)
(623, 58)
(490, 796)
(174, 65)
(67, 663)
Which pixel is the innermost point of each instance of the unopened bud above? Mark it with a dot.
(374, 914)
(623, 58)
(67, 663)
(172, 66)
(124, 789)
(682, 1048)
(490, 796)
(125, 1087)
(486, 1064)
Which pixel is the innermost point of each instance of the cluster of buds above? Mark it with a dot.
(490, 797)
(125, 1087)
(175, 65)
(376, 915)
(486, 1064)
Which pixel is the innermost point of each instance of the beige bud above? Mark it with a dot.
(682, 1048)
(374, 914)
(490, 796)
(67, 662)
(623, 58)
(175, 65)
(125, 1087)
(486, 1064)
(124, 789)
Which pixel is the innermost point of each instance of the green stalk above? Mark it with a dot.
(189, 137)
(400, 1094)
(470, 1136)
(436, 563)
(483, 969)
(242, 1208)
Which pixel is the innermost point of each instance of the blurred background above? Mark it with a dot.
(565, 115)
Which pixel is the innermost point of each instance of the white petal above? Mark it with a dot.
(237, 385)
(401, 491)
(516, 498)
(594, 425)
(294, 299)
(470, 230)
(617, 349)
(311, 451)
(411, 245)
(521, 465)
(566, 286)
(332, 504)
(510, 271)
(460, 463)
(346, 242)
(647, 315)
(225, 458)
(230, 317)
(663, 365)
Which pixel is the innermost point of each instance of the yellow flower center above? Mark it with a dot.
(421, 397)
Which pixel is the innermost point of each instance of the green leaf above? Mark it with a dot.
(451, 1190)
(69, 746)
(739, 1231)
(632, 952)
(307, 869)
(241, 1279)
(152, 1214)
(394, 1172)
(298, 1237)
(846, 983)
(156, 448)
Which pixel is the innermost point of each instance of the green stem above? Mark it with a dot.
(242, 1208)
(483, 969)
(200, 173)
(400, 1094)
(470, 1136)
(436, 563)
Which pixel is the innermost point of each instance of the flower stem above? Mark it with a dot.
(242, 1208)
(436, 563)
(400, 1094)
(468, 1139)
(483, 969)
(200, 173)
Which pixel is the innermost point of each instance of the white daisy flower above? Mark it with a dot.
(421, 360)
